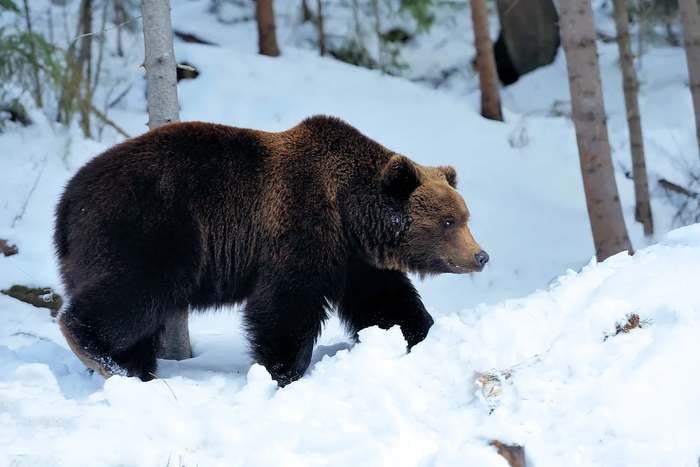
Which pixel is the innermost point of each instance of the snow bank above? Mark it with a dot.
(629, 400)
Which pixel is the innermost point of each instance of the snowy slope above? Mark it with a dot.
(626, 401)
(630, 400)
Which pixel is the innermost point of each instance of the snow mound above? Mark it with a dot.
(572, 397)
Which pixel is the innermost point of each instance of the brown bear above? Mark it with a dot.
(196, 215)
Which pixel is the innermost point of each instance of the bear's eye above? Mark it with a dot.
(448, 223)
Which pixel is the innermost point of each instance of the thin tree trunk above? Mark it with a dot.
(588, 112)
(161, 70)
(485, 62)
(321, 34)
(120, 17)
(631, 87)
(86, 60)
(76, 58)
(691, 42)
(161, 82)
(378, 32)
(35, 74)
(267, 38)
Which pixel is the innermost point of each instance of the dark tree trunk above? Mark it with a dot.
(267, 38)
(488, 78)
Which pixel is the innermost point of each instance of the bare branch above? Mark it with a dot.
(104, 30)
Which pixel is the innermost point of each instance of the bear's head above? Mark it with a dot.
(430, 219)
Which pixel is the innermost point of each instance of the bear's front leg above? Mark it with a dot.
(384, 298)
(283, 323)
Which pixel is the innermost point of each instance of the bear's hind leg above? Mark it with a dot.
(283, 323)
(384, 298)
(112, 336)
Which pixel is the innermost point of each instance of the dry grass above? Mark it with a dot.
(633, 322)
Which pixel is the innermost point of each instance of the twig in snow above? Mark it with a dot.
(157, 377)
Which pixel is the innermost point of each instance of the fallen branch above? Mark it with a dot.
(103, 117)
(670, 186)
(191, 38)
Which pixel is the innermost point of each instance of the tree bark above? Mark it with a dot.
(161, 82)
(691, 42)
(630, 86)
(161, 75)
(86, 49)
(486, 64)
(588, 112)
(321, 34)
(267, 38)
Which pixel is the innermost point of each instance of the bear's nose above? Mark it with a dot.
(481, 258)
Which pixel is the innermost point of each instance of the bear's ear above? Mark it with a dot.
(450, 175)
(400, 176)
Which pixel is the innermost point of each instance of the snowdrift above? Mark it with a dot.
(572, 397)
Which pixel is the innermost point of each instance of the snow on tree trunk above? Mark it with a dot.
(588, 112)
(267, 38)
(161, 90)
(691, 42)
(485, 62)
(630, 86)
(161, 69)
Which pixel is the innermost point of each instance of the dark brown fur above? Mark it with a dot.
(197, 215)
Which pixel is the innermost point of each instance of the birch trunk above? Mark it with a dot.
(161, 69)
(485, 62)
(161, 82)
(630, 86)
(691, 42)
(588, 113)
(267, 38)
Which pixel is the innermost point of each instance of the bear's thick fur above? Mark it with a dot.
(197, 215)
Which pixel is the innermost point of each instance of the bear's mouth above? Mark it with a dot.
(463, 269)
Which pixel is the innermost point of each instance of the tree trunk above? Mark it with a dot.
(267, 38)
(488, 77)
(35, 68)
(631, 86)
(691, 42)
(76, 61)
(161, 69)
(378, 32)
(588, 112)
(86, 20)
(321, 34)
(161, 89)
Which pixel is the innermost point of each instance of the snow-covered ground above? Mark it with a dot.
(627, 401)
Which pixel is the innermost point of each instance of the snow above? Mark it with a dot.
(572, 398)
